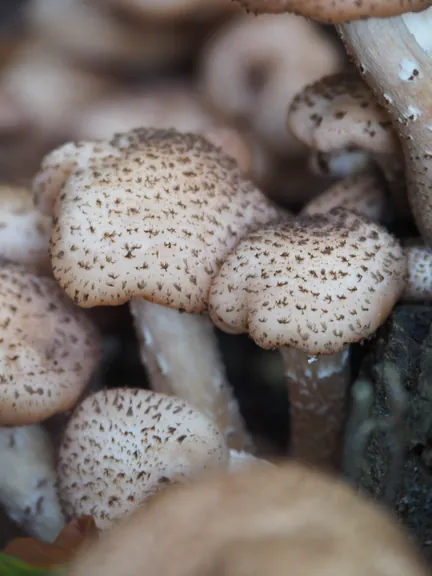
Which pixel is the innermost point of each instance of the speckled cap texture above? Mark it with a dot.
(157, 223)
(48, 348)
(121, 446)
(315, 283)
(337, 11)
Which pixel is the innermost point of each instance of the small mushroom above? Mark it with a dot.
(121, 446)
(24, 232)
(311, 287)
(419, 282)
(361, 193)
(28, 481)
(48, 351)
(153, 224)
(336, 11)
(394, 56)
(339, 115)
(267, 520)
(252, 68)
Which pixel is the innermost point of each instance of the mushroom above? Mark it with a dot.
(48, 351)
(252, 68)
(123, 445)
(28, 481)
(267, 520)
(394, 56)
(311, 287)
(165, 105)
(361, 193)
(338, 10)
(154, 226)
(419, 282)
(339, 115)
(24, 232)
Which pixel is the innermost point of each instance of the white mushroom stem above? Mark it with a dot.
(28, 481)
(181, 354)
(317, 389)
(239, 460)
(394, 55)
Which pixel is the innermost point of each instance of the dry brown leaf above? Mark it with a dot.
(45, 555)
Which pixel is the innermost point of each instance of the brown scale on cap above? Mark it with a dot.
(24, 232)
(158, 223)
(361, 193)
(316, 284)
(338, 10)
(48, 349)
(121, 446)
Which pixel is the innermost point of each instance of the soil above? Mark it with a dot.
(389, 439)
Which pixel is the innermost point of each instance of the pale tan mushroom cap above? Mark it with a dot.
(339, 112)
(156, 224)
(24, 232)
(123, 445)
(251, 69)
(58, 165)
(361, 193)
(419, 281)
(337, 11)
(48, 350)
(315, 283)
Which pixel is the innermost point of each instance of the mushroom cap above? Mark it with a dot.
(58, 165)
(316, 284)
(340, 112)
(121, 446)
(337, 11)
(361, 193)
(286, 519)
(48, 349)
(158, 223)
(419, 282)
(250, 71)
(24, 232)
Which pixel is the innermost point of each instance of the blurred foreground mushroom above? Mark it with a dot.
(49, 348)
(28, 490)
(269, 520)
(149, 217)
(123, 445)
(311, 287)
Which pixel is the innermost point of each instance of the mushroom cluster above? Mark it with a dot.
(174, 175)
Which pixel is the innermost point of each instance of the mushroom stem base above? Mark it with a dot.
(317, 388)
(180, 352)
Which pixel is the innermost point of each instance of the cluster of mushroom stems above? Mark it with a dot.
(171, 222)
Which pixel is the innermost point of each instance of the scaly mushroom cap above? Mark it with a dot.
(339, 112)
(265, 520)
(123, 445)
(419, 282)
(48, 350)
(158, 223)
(315, 284)
(24, 232)
(338, 10)
(361, 193)
(57, 166)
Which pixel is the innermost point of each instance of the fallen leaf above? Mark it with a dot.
(45, 555)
